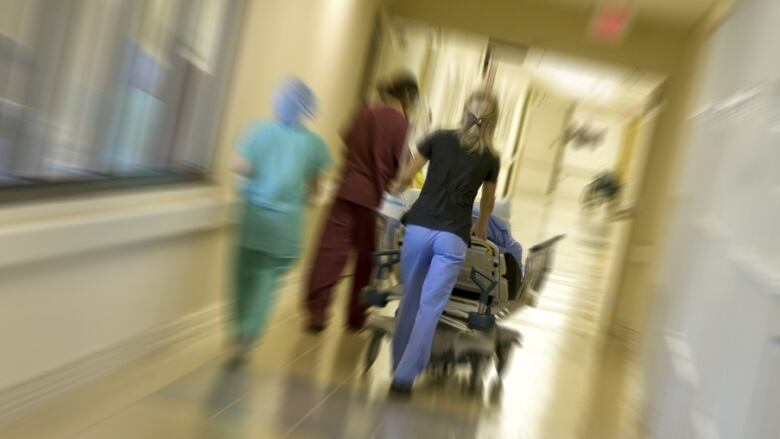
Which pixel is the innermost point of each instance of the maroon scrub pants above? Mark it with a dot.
(349, 227)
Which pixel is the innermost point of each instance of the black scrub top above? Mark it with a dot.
(451, 185)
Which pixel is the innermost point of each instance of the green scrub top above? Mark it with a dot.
(284, 159)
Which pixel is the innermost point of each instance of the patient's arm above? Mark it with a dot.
(407, 175)
(485, 209)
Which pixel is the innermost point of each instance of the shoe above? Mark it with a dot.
(315, 328)
(239, 358)
(235, 362)
(402, 391)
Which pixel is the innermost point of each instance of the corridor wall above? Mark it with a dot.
(96, 277)
(713, 348)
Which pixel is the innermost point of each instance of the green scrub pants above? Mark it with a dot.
(256, 285)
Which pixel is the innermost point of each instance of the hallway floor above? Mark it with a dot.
(569, 380)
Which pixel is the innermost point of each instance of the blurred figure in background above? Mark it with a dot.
(375, 143)
(281, 161)
(438, 227)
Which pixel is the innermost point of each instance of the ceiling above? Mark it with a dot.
(681, 14)
(590, 83)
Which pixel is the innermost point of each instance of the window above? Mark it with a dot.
(110, 90)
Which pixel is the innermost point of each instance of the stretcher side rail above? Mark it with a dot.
(383, 261)
(482, 319)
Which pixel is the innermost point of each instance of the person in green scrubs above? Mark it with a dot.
(281, 161)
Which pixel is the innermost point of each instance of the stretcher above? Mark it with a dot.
(470, 330)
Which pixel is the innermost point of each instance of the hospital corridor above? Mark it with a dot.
(308, 219)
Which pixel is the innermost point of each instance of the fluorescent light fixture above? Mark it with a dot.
(578, 83)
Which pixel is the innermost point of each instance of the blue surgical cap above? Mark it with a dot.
(294, 100)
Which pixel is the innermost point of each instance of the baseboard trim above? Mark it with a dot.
(178, 334)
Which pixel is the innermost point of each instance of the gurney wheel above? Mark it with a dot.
(372, 351)
(481, 322)
(476, 363)
(438, 373)
(503, 351)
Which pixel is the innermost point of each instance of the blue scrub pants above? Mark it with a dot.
(430, 262)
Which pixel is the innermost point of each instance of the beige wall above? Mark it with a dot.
(80, 276)
(712, 350)
(15, 19)
(56, 311)
(323, 42)
(638, 284)
(542, 141)
(655, 203)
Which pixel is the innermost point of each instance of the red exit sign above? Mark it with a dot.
(610, 21)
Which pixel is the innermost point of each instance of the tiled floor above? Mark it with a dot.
(567, 381)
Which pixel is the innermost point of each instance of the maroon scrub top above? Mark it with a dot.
(375, 142)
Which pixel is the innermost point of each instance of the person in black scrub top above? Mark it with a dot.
(438, 228)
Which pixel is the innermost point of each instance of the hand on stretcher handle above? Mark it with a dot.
(492, 249)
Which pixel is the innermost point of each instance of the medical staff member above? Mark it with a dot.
(375, 143)
(281, 160)
(438, 228)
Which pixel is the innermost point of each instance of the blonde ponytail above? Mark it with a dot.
(478, 126)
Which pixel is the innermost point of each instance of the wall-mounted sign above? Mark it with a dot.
(585, 137)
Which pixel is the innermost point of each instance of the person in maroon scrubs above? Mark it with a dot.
(375, 142)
